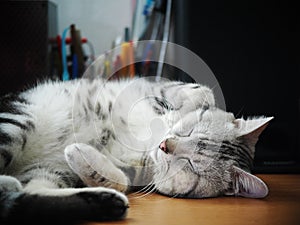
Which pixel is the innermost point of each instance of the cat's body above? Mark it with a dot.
(169, 135)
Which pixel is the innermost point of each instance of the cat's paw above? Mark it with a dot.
(189, 98)
(94, 168)
(195, 96)
(9, 184)
(111, 204)
(52, 206)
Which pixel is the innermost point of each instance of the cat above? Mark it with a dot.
(169, 136)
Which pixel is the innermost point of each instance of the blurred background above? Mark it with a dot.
(252, 48)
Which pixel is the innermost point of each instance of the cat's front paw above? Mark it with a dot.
(94, 168)
(109, 203)
(195, 96)
(10, 184)
(67, 205)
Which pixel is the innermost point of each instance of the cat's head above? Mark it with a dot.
(210, 154)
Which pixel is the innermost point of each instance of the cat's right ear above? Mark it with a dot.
(248, 185)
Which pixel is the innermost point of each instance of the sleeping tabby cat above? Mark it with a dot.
(167, 135)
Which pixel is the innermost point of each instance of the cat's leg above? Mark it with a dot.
(41, 199)
(94, 168)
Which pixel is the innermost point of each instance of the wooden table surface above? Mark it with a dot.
(282, 207)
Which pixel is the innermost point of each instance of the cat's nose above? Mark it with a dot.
(163, 147)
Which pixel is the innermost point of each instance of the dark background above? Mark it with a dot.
(26, 27)
(253, 49)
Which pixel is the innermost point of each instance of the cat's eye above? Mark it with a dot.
(191, 164)
(184, 134)
(187, 162)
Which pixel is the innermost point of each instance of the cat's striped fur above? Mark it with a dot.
(204, 151)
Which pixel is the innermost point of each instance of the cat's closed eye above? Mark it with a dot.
(186, 162)
(184, 134)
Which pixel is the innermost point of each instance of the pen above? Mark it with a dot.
(65, 75)
(74, 67)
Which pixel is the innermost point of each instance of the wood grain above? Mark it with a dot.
(280, 207)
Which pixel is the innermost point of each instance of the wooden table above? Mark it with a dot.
(281, 207)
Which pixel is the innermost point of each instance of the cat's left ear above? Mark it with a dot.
(250, 129)
(248, 185)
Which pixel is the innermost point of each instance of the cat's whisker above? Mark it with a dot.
(239, 112)
(213, 87)
(143, 194)
(144, 189)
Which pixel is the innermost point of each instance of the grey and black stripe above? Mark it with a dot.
(15, 123)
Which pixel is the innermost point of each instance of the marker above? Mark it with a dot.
(131, 60)
(125, 58)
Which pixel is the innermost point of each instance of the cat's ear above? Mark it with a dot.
(250, 129)
(248, 185)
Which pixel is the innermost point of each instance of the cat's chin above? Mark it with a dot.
(180, 195)
(157, 155)
(174, 195)
(190, 195)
